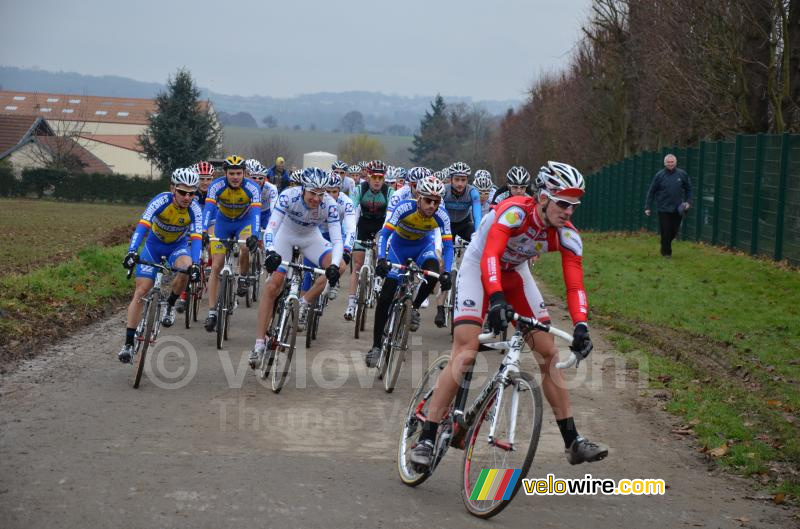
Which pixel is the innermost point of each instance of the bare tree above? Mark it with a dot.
(268, 149)
(62, 150)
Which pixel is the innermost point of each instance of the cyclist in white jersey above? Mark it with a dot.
(340, 168)
(295, 221)
(347, 214)
(483, 183)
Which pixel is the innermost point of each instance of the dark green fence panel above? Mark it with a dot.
(746, 194)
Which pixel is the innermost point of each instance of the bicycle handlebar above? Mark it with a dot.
(164, 268)
(217, 239)
(415, 270)
(303, 268)
(536, 324)
(366, 244)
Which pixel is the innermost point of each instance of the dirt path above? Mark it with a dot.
(80, 448)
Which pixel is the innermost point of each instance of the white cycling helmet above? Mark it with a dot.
(185, 176)
(253, 166)
(458, 169)
(415, 174)
(315, 178)
(483, 180)
(391, 175)
(430, 186)
(562, 181)
(518, 176)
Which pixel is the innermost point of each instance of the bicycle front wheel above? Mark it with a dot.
(310, 321)
(414, 418)
(361, 300)
(150, 313)
(284, 349)
(500, 446)
(453, 300)
(397, 348)
(188, 293)
(256, 273)
(222, 307)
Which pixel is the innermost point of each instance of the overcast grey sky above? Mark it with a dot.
(489, 49)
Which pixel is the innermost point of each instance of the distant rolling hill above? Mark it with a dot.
(241, 140)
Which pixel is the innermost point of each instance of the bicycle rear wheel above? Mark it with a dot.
(255, 272)
(415, 417)
(230, 303)
(386, 343)
(150, 312)
(494, 466)
(284, 350)
(222, 307)
(398, 347)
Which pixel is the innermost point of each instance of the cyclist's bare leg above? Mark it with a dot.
(179, 280)
(465, 348)
(271, 291)
(358, 262)
(143, 286)
(217, 262)
(319, 285)
(553, 385)
(244, 260)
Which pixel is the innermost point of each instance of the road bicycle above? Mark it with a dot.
(254, 276)
(368, 287)
(154, 307)
(194, 292)
(395, 334)
(459, 246)
(500, 429)
(282, 332)
(226, 292)
(315, 311)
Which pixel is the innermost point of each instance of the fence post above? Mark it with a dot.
(737, 175)
(759, 162)
(685, 224)
(701, 169)
(782, 181)
(717, 184)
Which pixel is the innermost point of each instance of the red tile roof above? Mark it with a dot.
(102, 109)
(14, 129)
(130, 142)
(90, 162)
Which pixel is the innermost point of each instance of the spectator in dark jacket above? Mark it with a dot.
(672, 192)
(278, 175)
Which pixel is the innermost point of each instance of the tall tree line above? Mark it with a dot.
(649, 73)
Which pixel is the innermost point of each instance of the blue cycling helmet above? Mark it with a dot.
(339, 165)
(334, 180)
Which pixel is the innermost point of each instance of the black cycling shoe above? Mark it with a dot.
(439, 320)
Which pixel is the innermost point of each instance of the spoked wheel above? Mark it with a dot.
(267, 360)
(230, 302)
(515, 411)
(147, 326)
(453, 300)
(397, 348)
(284, 349)
(361, 300)
(222, 308)
(386, 344)
(187, 304)
(415, 417)
(194, 302)
(255, 274)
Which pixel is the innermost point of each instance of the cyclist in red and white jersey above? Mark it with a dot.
(495, 275)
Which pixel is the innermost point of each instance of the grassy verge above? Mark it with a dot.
(37, 232)
(720, 331)
(52, 301)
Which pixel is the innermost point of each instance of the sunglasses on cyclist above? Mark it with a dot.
(428, 200)
(563, 204)
(183, 193)
(318, 194)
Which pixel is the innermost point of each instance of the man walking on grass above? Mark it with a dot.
(672, 192)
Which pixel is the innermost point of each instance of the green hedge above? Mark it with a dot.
(79, 186)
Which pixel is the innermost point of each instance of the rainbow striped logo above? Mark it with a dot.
(495, 484)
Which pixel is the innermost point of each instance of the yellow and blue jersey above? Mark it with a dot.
(406, 225)
(163, 222)
(243, 202)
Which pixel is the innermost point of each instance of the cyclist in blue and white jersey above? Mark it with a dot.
(170, 227)
(486, 188)
(295, 221)
(257, 172)
(409, 234)
(340, 168)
